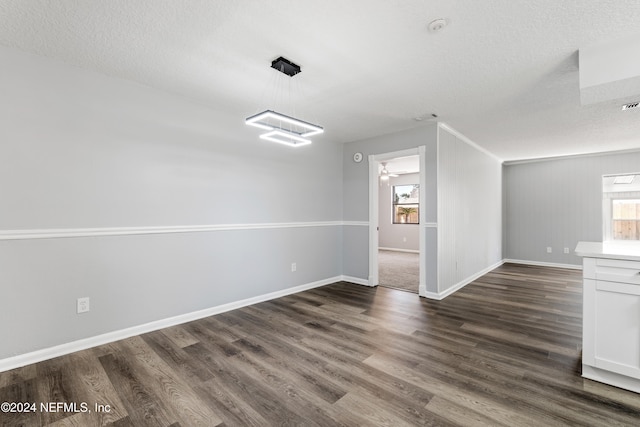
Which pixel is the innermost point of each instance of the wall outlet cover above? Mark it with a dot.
(83, 305)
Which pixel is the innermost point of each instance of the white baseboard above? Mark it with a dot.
(442, 295)
(432, 295)
(463, 283)
(543, 264)
(356, 280)
(422, 291)
(399, 250)
(611, 378)
(83, 344)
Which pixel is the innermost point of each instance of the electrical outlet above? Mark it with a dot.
(404, 239)
(549, 250)
(83, 305)
(566, 250)
(294, 267)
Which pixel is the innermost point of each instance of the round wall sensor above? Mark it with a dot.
(357, 157)
(437, 25)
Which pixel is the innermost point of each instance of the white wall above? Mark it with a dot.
(82, 150)
(469, 211)
(396, 236)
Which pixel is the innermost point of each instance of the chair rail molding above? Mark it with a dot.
(58, 233)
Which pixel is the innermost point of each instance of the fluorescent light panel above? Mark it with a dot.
(265, 120)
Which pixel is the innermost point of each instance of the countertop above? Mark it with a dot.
(612, 250)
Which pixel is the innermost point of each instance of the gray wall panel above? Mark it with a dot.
(431, 259)
(558, 203)
(133, 280)
(356, 187)
(355, 262)
(356, 178)
(80, 149)
(447, 203)
(83, 150)
(470, 210)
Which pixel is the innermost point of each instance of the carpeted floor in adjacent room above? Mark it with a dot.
(399, 270)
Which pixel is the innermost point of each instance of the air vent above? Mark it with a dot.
(630, 106)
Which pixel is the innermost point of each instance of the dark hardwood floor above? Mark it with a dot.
(503, 351)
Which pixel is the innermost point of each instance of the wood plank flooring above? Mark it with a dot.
(503, 351)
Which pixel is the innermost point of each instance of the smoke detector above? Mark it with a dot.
(630, 106)
(437, 25)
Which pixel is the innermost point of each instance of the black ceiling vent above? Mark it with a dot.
(285, 66)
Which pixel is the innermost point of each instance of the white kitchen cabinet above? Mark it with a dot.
(611, 314)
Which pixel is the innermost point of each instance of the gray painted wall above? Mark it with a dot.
(83, 150)
(356, 179)
(80, 149)
(396, 236)
(356, 196)
(557, 203)
(470, 210)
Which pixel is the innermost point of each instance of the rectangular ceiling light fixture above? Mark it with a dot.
(281, 128)
(286, 138)
(271, 120)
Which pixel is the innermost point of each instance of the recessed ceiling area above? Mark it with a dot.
(504, 73)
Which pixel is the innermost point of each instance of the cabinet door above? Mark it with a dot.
(616, 344)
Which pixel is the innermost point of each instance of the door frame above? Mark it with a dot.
(374, 164)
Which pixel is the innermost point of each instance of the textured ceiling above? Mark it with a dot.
(503, 72)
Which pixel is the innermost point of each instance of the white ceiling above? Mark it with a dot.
(503, 72)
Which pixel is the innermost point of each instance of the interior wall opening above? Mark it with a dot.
(397, 220)
(398, 223)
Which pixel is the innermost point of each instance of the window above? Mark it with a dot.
(625, 215)
(621, 207)
(406, 204)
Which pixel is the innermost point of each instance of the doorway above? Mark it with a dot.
(396, 220)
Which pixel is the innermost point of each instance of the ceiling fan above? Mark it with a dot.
(385, 174)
